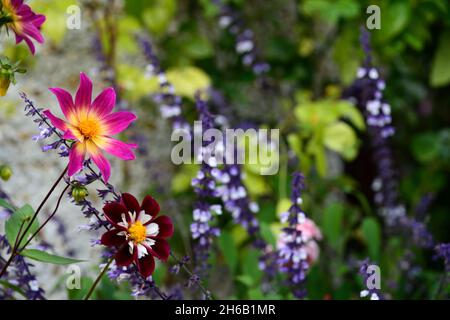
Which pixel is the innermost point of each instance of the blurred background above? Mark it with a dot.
(305, 53)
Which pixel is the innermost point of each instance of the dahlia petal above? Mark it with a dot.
(84, 93)
(165, 226)
(18, 38)
(65, 102)
(103, 164)
(112, 239)
(113, 213)
(144, 218)
(118, 121)
(68, 135)
(76, 158)
(124, 257)
(161, 249)
(115, 147)
(131, 203)
(146, 266)
(17, 3)
(104, 103)
(30, 45)
(57, 122)
(152, 230)
(30, 30)
(38, 20)
(141, 251)
(150, 206)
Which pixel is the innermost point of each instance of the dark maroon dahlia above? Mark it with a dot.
(138, 233)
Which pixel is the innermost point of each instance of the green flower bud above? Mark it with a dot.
(79, 193)
(5, 81)
(5, 172)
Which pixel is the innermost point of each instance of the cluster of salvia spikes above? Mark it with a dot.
(171, 108)
(203, 233)
(292, 258)
(367, 93)
(21, 275)
(229, 178)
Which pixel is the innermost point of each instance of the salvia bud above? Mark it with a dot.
(79, 193)
(5, 172)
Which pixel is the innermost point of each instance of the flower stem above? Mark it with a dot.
(46, 221)
(16, 243)
(14, 251)
(205, 291)
(94, 285)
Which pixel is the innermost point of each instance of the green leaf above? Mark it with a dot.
(394, 19)
(158, 15)
(228, 248)
(11, 286)
(255, 183)
(136, 85)
(245, 279)
(341, 138)
(54, 27)
(343, 48)
(251, 265)
(425, 147)
(14, 223)
(181, 181)
(283, 205)
(79, 294)
(295, 143)
(350, 112)
(43, 256)
(188, 80)
(267, 235)
(333, 224)
(255, 294)
(6, 205)
(440, 71)
(372, 234)
(321, 160)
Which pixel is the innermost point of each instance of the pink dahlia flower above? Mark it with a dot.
(138, 233)
(23, 21)
(90, 125)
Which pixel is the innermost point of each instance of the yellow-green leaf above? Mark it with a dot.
(188, 80)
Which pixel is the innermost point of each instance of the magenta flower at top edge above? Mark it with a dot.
(23, 21)
(91, 124)
(138, 233)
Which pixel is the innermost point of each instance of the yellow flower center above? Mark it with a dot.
(137, 232)
(89, 128)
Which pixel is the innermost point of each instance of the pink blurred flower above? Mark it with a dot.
(90, 125)
(23, 21)
(310, 233)
(309, 230)
(312, 251)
